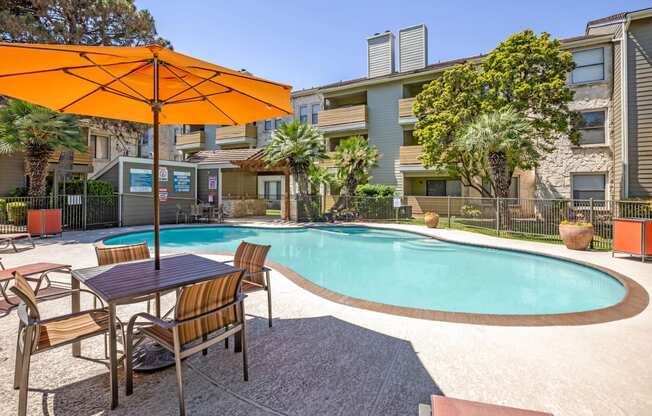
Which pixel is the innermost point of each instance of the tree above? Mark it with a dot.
(502, 138)
(319, 176)
(299, 145)
(525, 72)
(38, 132)
(82, 22)
(354, 158)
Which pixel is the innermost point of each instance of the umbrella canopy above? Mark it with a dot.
(118, 83)
(147, 84)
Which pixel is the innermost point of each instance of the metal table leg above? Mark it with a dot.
(74, 307)
(113, 356)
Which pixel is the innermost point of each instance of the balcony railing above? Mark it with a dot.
(80, 158)
(343, 119)
(405, 113)
(193, 140)
(245, 133)
(409, 155)
(328, 163)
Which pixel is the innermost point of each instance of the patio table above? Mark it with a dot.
(119, 283)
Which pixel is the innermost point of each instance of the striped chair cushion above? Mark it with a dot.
(251, 258)
(24, 291)
(121, 254)
(203, 297)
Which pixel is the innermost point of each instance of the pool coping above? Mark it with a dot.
(636, 298)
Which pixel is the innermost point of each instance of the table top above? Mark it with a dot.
(448, 406)
(122, 281)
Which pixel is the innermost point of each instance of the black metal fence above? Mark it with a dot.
(77, 212)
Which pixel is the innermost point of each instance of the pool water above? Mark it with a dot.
(405, 269)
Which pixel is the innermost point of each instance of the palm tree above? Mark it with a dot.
(319, 176)
(502, 138)
(354, 158)
(300, 146)
(37, 132)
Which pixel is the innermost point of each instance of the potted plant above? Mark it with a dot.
(576, 235)
(431, 219)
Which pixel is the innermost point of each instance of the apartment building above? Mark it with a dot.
(612, 87)
(103, 147)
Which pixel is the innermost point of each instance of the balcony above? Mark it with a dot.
(232, 135)
(79, 158)
(409, 155)
(191, 141)
(343, 119)
(405, 113)
(328, 163)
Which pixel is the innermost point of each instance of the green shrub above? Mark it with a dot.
(374, 190)
(18, 192)
(3, 210)
(470, 211)
(17, 212)
(93, 187)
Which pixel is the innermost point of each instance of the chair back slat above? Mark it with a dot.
(203, 297)
(121, 254)
(251, 257)
(25, 293)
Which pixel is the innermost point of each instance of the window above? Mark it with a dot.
(315, 113)
(303, 113)
(268, 125)
(586, 186)
(101, 147)
(589, 66)
(277, 123)
(592, 127)
(442, 187)
(514, 188)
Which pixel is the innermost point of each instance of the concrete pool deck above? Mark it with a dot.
(325, 358)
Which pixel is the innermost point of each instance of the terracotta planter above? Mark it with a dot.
(576, 237)
(431, 219)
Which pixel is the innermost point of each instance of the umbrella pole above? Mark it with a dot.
(155, 189)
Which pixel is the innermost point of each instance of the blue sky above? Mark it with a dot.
(309, 43)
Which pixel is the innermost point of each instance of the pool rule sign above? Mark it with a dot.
(163, 195)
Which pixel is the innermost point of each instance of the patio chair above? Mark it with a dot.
(251, 258)
(36, 335)
(181, 213)
(197, 213)
(28, 271)
(202, 311)
(10, 239)
(122, 254)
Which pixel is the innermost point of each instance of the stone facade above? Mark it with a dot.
(554, 174)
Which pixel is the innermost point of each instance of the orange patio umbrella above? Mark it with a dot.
(148, 84)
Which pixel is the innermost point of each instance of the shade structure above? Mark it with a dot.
(148, 84)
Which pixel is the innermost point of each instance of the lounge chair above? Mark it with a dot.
(36, 335)
(448, 406)
(29, 271)
(251, 258)
(181, 213)
(10, 239)
(202, 310)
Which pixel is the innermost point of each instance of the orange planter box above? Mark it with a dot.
(632, 236)
(44, 222)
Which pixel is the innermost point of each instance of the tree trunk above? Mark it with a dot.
(36, 168)
(499, 173)
(346, 194)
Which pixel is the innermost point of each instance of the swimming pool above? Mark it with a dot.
(409, 270)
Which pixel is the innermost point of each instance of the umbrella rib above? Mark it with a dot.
(119, 79)
(15, 74)
(235, 74)
(233, 89)
(103, 87)
(194, 99)
(108, 89)
(42, 48)
(199, 92)
(192, 87)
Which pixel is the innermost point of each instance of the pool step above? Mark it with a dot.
(426, 245)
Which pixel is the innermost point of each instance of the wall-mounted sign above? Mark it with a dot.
(181, 181)
(140, 180)
(210, 198)
(163, 174)
(163, 195)
(212, 183)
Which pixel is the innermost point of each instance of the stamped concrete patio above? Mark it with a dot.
(323, 358)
